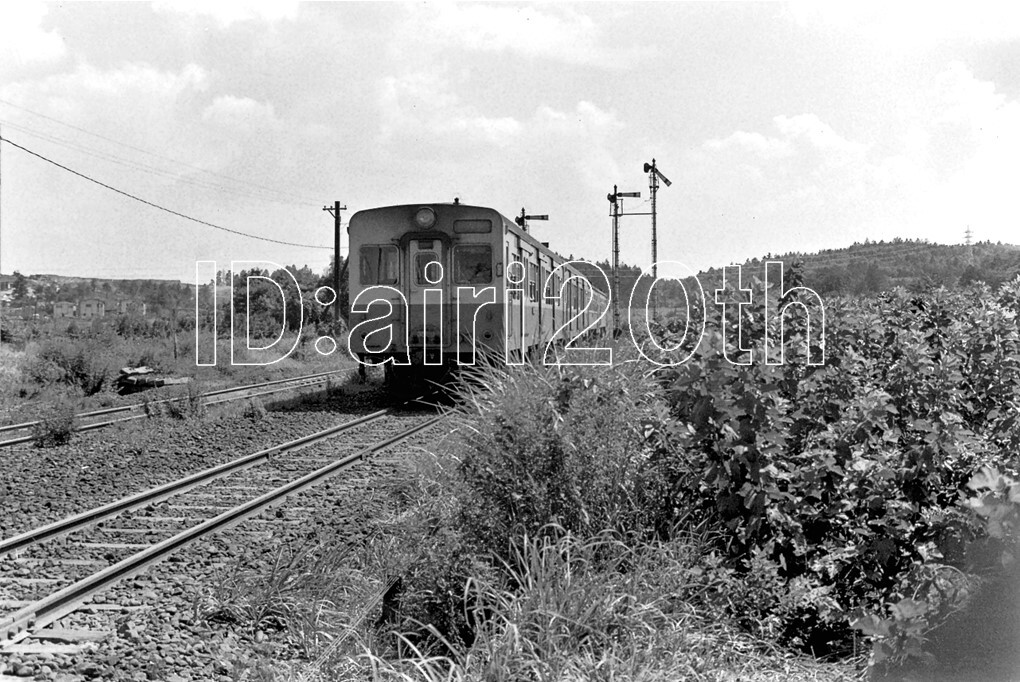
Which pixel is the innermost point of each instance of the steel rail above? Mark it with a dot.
(162, 492)
(138, 406)
(41, 613)
(125, 408)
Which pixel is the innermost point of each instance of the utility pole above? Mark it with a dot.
(653, 186)
(616, 199)
(967, 235)
(335, 210)
(523, 219)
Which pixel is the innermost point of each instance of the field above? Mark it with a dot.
(57, 365)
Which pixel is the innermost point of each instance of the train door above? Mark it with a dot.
(543, 311)
(428, 328)
(515, 309)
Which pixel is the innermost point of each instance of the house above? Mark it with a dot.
(91, 307)
(6, 287)
(63, 309)
(130, 306)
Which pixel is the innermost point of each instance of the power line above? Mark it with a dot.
(145, 168)
(304, 200)
(157, 206)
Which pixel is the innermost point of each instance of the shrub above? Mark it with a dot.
(901, 629)
(844, 480)
(56, 427)
(83, 365)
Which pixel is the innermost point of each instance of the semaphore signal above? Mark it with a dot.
(616, 199)
(523, 219)
(654, 175)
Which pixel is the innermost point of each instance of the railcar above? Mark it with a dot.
(435, 285)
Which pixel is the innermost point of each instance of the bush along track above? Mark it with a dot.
(860, 496)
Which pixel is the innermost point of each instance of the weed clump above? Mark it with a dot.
(190, 405)
(56, 427)
(541, 446)
(255, 410)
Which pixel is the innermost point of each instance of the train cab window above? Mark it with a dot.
(421, 261)
(472, 264)
(379, 264)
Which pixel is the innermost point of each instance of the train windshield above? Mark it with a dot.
(379, 264)
(422, 260)
(472, 264)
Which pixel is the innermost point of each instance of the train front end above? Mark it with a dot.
(425, 285)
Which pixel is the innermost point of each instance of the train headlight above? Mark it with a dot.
(425, 218)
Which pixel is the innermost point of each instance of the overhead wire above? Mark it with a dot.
(303, 200)
(159, 207)
(134, 165)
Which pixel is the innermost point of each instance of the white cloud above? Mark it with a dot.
(976, 135)
(134, 102)
(22, 39)
(585, 139)
(228, 12)
(551, 32)
(907, 25)
(423, 106)
(956, 163)
(241, 114)
(819, 135)
(755, 143)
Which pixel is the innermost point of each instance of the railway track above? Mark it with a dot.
(14, 434)
(52, 571)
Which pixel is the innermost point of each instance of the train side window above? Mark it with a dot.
(532, 281)
(472, 264)
(379, 264)
(421, 261)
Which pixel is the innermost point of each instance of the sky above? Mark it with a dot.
(783, 127)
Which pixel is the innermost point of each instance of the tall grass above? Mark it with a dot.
(540, 445)
(565, 608)
(534, 544)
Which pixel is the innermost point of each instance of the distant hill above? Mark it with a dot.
(876, 266)
(859, 269)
